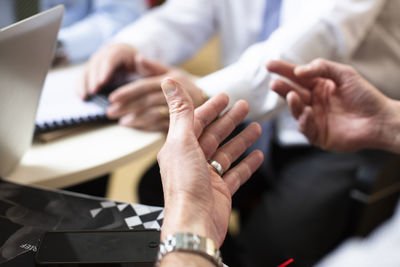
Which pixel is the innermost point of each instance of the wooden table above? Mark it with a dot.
(84, 155)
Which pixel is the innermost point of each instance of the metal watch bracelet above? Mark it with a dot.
(187, 242)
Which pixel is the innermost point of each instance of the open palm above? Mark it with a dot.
(197, 199)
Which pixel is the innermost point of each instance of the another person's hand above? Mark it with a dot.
(197, 198)
(103, 65)
(139, 103)
(336, 108)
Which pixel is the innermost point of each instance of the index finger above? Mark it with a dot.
(283, 88)
(135, 89)
(287, 70)
(322, 68)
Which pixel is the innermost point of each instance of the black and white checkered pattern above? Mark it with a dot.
(136, 216)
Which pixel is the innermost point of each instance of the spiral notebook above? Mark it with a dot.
(60, 107)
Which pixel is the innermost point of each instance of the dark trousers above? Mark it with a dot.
(304, 212)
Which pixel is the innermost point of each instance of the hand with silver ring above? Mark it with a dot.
(197, 194)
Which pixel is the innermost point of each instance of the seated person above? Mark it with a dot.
(262, 31)
(337, 109)
(251, 34)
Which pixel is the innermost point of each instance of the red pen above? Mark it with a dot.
(286, 263)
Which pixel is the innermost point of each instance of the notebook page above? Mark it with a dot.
(59, 104)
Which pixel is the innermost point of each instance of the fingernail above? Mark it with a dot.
(168, 87)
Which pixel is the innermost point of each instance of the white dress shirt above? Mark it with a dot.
(363, 33)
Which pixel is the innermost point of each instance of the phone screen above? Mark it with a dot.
(99, 247)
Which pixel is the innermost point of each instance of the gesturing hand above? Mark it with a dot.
(337, 109)
(140, 103)
(197, 199)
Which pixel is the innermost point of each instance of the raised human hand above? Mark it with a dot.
(197, 198)
(336, 108)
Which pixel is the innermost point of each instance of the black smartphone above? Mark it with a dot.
(136, 248)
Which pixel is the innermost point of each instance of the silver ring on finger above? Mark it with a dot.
(217, 167)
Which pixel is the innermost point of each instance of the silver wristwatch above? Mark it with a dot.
(187, 242)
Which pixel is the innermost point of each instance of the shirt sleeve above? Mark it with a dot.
(172, 32)
(106, 18)
(333, 33)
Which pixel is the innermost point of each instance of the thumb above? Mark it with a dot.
(181, 109)
(147, 67)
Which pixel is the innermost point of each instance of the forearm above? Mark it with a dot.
(333, 33)
(173, 32)
(247, 78)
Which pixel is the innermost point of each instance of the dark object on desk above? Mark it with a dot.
(137, 247)
(27, 212)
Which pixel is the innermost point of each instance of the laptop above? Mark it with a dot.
(26, 51)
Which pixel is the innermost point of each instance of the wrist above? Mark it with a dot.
(182, 216)
(389, 132)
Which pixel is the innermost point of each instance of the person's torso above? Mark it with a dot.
(240, 22)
